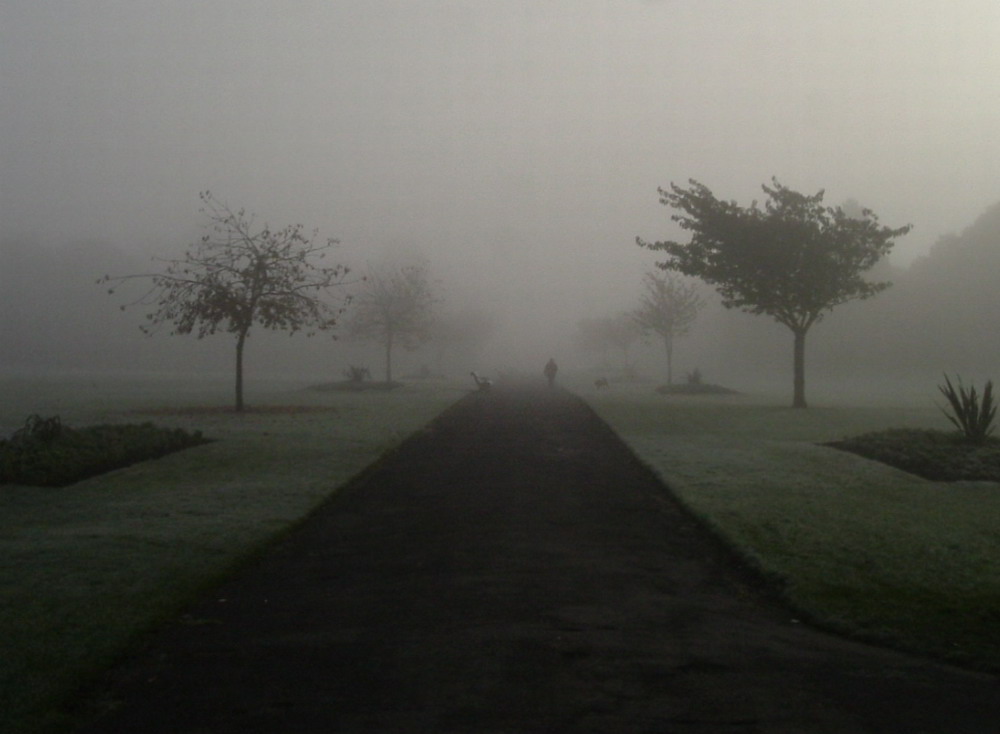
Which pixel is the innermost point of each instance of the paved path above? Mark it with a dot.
(513, 568)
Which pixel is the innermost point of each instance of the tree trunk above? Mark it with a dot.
(240, 341)
(626, 367)
(668, 345)
(799, 400)
(388, 359)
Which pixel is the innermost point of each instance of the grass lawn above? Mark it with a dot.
(855, 545)
(86, 568)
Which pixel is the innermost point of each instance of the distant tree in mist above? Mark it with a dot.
(951, 299)
(601, 335)
(588, 338)
(667, 307)
(393, 305)
(972, 255)
(460, 332)
(238, 276)
(793, 259)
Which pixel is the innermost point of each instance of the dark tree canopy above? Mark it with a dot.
(239, 276)
(793, 259)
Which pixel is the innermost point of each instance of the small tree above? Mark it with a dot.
(393, 306)
(668, 308)
(460, 332)
(623, 333)
(619, 332)
(238, 276)
(792, 260)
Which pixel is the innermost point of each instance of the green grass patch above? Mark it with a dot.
(854, 545)
(86, 569)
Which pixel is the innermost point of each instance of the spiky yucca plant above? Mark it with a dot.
(972, 415)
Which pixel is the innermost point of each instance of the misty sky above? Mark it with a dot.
(491, 136)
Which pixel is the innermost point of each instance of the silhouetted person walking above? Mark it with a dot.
(550, 371)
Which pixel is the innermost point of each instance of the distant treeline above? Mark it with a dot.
(939, 316)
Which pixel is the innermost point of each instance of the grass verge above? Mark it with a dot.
(86, 569)
(855, 545)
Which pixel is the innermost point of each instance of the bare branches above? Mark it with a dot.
(238, 276)
(668, 305)
(668, 308)
(393, 307)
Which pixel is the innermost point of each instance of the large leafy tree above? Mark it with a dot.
(240, 275)
(793, 259)
(667, 307)
(393, 306)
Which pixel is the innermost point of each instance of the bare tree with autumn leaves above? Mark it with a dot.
(240, 275)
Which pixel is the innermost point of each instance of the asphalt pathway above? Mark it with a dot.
(513, 568)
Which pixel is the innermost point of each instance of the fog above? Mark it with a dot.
(515, 145)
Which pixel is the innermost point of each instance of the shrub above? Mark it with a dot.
(972, 415)
(47, 453)
(936, 455)
(357, 374)
(38, 430)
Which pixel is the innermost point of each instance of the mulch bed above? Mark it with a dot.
(356, 386)
(943, 456)
(695, 389)
(230, 410)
